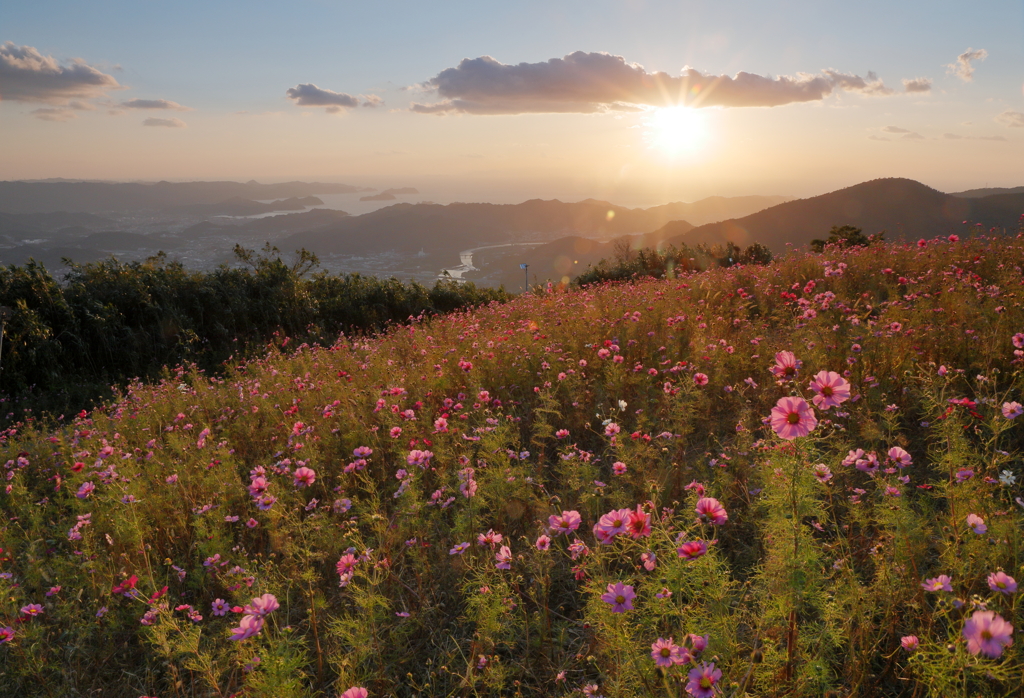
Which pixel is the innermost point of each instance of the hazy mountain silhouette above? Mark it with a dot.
(93, 197)
(905, 209)
(390, 194)
(237, 206)
(32, 223)
(988, 191)
(408, 228)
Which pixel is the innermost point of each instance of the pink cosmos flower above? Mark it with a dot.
(355, 692)
(649, 560)
(459, 549)
(693, 549)
(346, 563)
(247, 627)
(910, 642)
(786, 365)
(831, 390)
(987, 633)
(1012, 410)
(900, 457)
(1018, 340)
(711, 509)
(666, 653)
(220, 607)
(940, 583)
(562, 434)
(620, 596)
(922, 243)
(702, 680)
(503, 558)
(1002, 582)
(700, 379)
(792, 417)
(304, 477)
(6, 634)
(85, 490)
(490, 538)
(565, 522)
(33, 609)
(822, 473)
(262, 605)
(543, 543)
(954, 238)
(619, 468)
(976, 523)
(613, 523)
(639, 523)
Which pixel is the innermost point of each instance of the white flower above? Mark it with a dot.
(1007, 478)
(622, 405)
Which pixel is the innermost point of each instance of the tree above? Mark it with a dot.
(846, 236)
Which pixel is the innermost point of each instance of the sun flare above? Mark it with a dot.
(677, 130)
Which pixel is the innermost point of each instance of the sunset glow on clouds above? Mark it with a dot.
(513, 103)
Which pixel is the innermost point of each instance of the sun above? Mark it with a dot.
(677, 130)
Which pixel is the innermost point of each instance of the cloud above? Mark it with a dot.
(1012, 119)
(153, 104)
(599, 82)
(912, 137)
(963, 68)
(895, 129)
(958, 137)
(167, 123)
(309, 95)
(54, 114)
(917, 85)
(28, 76)
(873, 137)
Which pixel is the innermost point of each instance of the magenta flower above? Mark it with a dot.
(1002, 582)
(6, 634)
(910, 642)
(786, 365)
(620, 596)
(459, 549)
(700, 379)
(666, 653)
(940, 583)
(987, 633)
(490, 538)
(362, 452)
(702, 680)
(304, 477)
(639, 523)
(355, 692)
(693, 549)
(220, 607)
(85, 490)
(346, 563)
(976, 523)
(263, 605)
(792, 418)
(567, 521)
(831, 390)
(822, 473)
(247, 627)
(543, 543)
(649, 560)
(619, 468)
(712, 510)
(503, 558)
(33, 609)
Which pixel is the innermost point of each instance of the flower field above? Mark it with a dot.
(799, 479)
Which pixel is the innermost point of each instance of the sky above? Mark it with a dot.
(637, 102)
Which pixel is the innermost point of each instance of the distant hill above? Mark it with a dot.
(905, 209)
(408, 228)
(30, 223)
(390, 194)
(989, 191)
(237, 206)
(96, 197)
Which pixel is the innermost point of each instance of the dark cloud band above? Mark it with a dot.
(597, 82)
(309, 95)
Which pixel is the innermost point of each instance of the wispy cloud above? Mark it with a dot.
(1012, 119)
(599, 82)
(917, 85)
(54, 114)
(309, 95)
(28, 76)
(166, 123)
(963, 68)
(153, 104)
